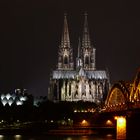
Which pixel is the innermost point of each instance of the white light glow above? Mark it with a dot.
(8, 96)
(19, 103)
(4, 102)
(2, 96)
(23, 98)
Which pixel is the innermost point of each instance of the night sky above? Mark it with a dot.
(30, 33)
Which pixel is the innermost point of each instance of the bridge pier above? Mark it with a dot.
(121, 127)
(131, 124)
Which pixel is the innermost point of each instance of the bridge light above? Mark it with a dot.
(109, 123)
(115, 118)
(84, 123)
(121, 121)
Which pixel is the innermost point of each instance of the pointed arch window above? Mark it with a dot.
(65, 59)
(87, 60)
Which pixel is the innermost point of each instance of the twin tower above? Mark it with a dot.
(83, 83)
(86, 52)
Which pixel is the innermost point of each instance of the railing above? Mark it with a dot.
(121, 106)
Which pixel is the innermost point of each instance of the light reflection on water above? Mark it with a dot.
(1, 137)
(21, 137)
(18, 137)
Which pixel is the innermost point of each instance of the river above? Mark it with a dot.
(45, 137)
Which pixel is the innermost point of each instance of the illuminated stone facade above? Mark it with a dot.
(81, 82)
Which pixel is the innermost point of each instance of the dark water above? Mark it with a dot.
(22, 137)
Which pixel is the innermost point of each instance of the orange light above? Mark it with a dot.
(115, 118)
(84, 123)
(109, 123)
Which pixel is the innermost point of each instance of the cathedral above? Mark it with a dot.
(78, 80)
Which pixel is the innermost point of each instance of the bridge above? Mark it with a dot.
(123, 96)
(123, 103)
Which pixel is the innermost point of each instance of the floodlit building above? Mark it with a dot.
(18, 97)
(80, 80)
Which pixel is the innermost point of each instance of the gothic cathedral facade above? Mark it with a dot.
(78, 81)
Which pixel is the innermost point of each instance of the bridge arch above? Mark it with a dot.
(119, 94)
(135, 90)
(123, 95)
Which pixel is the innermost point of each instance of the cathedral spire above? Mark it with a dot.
(86, 37)
(88, 52)
(65, 53)
(65, 40)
